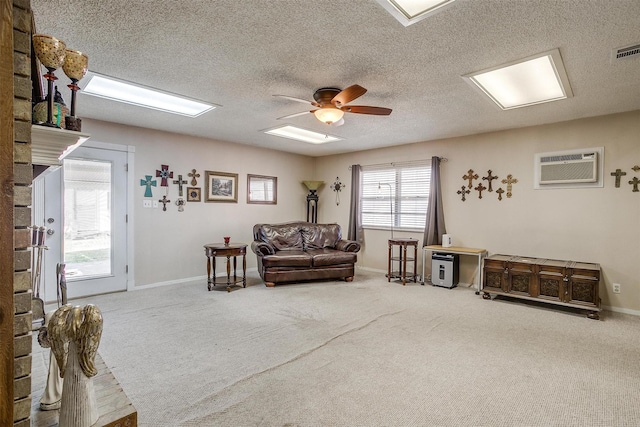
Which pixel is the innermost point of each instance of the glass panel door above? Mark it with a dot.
(87, 218)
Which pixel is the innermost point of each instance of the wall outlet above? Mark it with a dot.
(155, 203)
(146, 203)
(616, 288)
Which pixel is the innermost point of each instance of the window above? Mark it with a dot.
(395, 195)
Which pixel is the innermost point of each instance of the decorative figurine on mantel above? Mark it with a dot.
(164, 174)
(50, 51)
(337, 186)
(74, 335)
(75, 67)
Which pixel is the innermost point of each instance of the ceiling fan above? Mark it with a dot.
(330, 105)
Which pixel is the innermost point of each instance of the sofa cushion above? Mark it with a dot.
(327, 257)
(287, 259)
(284, 237)
(319, 236)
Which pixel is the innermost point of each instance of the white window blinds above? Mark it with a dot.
(395, 194)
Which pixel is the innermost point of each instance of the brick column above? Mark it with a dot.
(22, 178)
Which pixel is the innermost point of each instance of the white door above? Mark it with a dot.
(85, 205)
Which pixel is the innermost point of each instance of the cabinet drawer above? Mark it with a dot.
(584, 292)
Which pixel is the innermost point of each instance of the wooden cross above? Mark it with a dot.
(500, 191)
(636, 168)
(510, 180)
(463, 190)
(164, 202)
(618, 173)
(470, 176)
(635, 181)
(179, 182)
(149, 183)
(193, 176)
(479, 189)
(164, 174)
(489, 178)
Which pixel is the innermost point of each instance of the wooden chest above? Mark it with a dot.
(567, 283)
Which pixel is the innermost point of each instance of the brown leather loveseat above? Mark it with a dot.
(298, 251)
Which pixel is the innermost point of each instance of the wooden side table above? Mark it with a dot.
(402, 260)
(213, 250)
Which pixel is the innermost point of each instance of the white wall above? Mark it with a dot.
(169, 245)
(599, 225)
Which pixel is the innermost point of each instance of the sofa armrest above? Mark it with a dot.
(262, 248)
(348, 246)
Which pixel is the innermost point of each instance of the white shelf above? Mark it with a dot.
(49, 145)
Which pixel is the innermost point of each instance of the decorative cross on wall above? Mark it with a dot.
(193, 176)
(179, 182)
(479, 188)
(500, 191)
(510, 180)
(463, 190)
(470, 176)
(164, 202)
(636, 168)
(164, 174)
(618, 173)
(635, 181)
(149, 183)
(489, 178)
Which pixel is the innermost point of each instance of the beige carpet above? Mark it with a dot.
(366, 353)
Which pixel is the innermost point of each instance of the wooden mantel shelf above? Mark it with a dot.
(49, 145)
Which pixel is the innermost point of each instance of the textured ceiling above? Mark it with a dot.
(238, 54)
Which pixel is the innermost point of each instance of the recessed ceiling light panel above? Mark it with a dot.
(533, 80)
(300, 134)
(131, 93)
(409, 12)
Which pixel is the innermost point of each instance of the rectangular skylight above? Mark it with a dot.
(304, 135)
(411, 11)
(131, 93)
(533, 80)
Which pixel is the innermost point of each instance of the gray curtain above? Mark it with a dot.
(355, 231)
(434, 226)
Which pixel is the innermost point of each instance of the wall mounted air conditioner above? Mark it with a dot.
(573, 168)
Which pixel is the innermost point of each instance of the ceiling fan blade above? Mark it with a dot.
(295, 115)
(348, 95)
(364, 109)
(338, 123)
(292, 98)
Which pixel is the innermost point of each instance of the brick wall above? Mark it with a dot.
(22, 177)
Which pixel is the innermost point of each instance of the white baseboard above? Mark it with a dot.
(185, 280)
(622, 310)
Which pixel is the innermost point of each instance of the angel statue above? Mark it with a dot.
(74, 335)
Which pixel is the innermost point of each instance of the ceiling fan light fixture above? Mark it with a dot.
(328, 115)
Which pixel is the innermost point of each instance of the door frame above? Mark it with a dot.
(130, 151)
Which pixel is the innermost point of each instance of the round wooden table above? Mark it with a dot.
(213, 250)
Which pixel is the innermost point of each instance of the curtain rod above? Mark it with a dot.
(406, 163)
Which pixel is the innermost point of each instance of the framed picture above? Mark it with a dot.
(262, 189)
(194, 194)
(221, 187)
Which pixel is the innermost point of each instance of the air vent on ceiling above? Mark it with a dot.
(627, 52)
